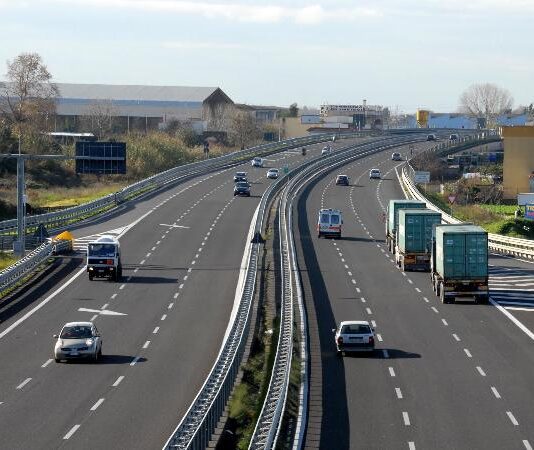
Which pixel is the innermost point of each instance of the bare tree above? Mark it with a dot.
(486, 100)
(244, 129)
(99, 117)
(27, 99)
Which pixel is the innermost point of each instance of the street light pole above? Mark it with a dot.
(19, 246)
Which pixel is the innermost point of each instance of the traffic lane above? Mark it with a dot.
(184, 348)
(374, 270)
(420, 281)
(143, 305)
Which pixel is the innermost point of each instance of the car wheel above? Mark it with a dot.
(91, 277)
(57, 360)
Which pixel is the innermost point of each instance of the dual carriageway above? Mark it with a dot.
(444, 376)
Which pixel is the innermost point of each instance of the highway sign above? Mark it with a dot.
(421, 177)
(101, 157)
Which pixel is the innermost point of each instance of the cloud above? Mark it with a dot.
(189, 45)
(239, 12)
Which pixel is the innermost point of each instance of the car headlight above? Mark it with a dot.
(89, 342)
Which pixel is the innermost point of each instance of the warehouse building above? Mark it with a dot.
(518, 165)
(138, 107)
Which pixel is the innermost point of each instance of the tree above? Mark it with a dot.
(99, 118)
(244, 129)
(486, 100)
(27, 99)
(293, 110)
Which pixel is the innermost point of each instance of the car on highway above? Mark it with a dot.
(242, 188)
(375, 173)
(454, 137)
(329, 223)
(396, 156)
(257, 162)
(342, 180)
(78, 340)
(326, 150)
(354, 336)
(240, 176)
(431, 137)
(272, 173)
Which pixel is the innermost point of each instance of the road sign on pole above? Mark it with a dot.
(452, 198)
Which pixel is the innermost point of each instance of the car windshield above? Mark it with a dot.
(334, 219)
(356, 329)
(76, 332)
(105, 250)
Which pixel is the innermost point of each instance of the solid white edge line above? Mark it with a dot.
(71, 431)
(522, 327)
(40, 305)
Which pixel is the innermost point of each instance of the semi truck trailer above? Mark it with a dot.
(392, 218)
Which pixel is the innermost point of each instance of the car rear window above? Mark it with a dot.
(325, 218)
(355, 329)
(334, 219)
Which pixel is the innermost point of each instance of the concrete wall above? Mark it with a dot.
(291, 127)
(518, 162)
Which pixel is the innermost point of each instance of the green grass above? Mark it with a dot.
(61, 197)
(6, 259)
(504, 210)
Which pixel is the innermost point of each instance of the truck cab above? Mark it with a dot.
(104, 259)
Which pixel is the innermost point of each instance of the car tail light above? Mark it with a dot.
(109, 262)
(371, 340)
(340, 340)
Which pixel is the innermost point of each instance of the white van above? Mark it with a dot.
(329, 223)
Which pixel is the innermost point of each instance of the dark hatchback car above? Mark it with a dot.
(242, 188)
(342, 180)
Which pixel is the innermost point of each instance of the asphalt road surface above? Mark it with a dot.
(162, 325)
(456, 376)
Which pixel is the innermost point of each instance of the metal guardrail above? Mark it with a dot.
(68, 215)
(197, 425)
(12, 275)
(267, 428)
(503, 244)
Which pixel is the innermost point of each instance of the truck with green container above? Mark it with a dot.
(413, 245)
(459, 263)
(392, 218)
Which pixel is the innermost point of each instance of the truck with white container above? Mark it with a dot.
(413, 240)
(459, 263)
(104, 258)
(392, 218)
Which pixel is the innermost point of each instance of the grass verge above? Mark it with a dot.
(6, 259)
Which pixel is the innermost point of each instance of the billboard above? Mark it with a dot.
(101, 157)
(529, 211)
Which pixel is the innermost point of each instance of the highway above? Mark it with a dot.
(454, 376)
(162, 326)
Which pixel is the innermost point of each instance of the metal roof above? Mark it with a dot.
(134, 92)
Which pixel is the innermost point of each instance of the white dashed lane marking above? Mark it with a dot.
(24, 383)
(495, 392)
(97, 404)
(512, 418)
(135, 361)
(455, 336)
(398, 392)
(481, 371)
(47, 363)
(406, 418)
(118, 381)
(71, 431)
(468, 353)
(391, 371)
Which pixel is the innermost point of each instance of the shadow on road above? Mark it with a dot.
(119, 359)
(334, 427)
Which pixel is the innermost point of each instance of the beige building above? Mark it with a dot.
(518, 165)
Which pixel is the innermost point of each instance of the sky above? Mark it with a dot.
(403, 54)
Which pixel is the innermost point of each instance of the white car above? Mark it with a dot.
(78, 340)
(326, 150)
(257, 162)
(354, 336)
(396, 156)
(375, 173)
(272, 173)
(329, 223)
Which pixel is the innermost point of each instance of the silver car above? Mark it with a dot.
(354, 336)
(78, 340)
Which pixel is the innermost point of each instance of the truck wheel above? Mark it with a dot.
(482, 299)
